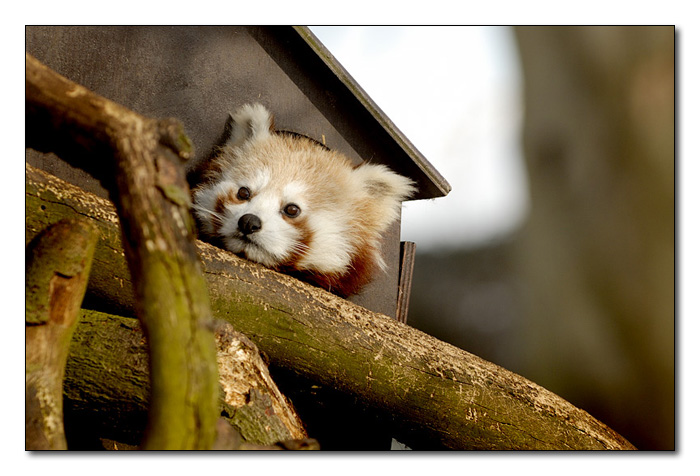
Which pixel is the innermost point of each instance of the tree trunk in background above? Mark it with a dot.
(598, 250)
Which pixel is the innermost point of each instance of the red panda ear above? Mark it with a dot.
(250, 122)
(381, 183)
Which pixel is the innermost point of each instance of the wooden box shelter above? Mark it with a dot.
(200, 74)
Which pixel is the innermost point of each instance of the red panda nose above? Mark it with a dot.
(249, 224)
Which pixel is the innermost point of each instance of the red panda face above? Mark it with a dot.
(261, 220)
(291, 204)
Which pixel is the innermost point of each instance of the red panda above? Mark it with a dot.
(290, 203)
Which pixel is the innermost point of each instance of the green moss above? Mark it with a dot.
(184, 377)
(59, 252)
(175, 194)
(255, 423)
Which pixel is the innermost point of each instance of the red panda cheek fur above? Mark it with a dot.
(364, 263)
(360, 272)
(303, 243)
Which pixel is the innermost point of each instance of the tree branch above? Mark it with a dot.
(107, 374)
(58, 265)
(435, 395)
(149, 189)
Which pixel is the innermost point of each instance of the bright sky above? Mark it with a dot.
(455, 93)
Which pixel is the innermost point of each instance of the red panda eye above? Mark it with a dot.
(292, 210)
(243, 193)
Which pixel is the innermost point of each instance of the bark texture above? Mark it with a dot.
(435, 395)
(107, 386)
(140, 162)
(58, 265)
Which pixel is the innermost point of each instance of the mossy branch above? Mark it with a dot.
(139, 161)
(57, 269)
(107, 375)
(435, 395)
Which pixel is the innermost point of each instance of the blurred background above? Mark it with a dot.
(554, 254)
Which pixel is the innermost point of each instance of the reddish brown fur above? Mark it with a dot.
(359, 273)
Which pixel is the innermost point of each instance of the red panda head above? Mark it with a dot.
(290, 203)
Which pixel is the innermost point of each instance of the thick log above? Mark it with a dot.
(58, 265)
(434, 394)
(107, 386)
(141, 162)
